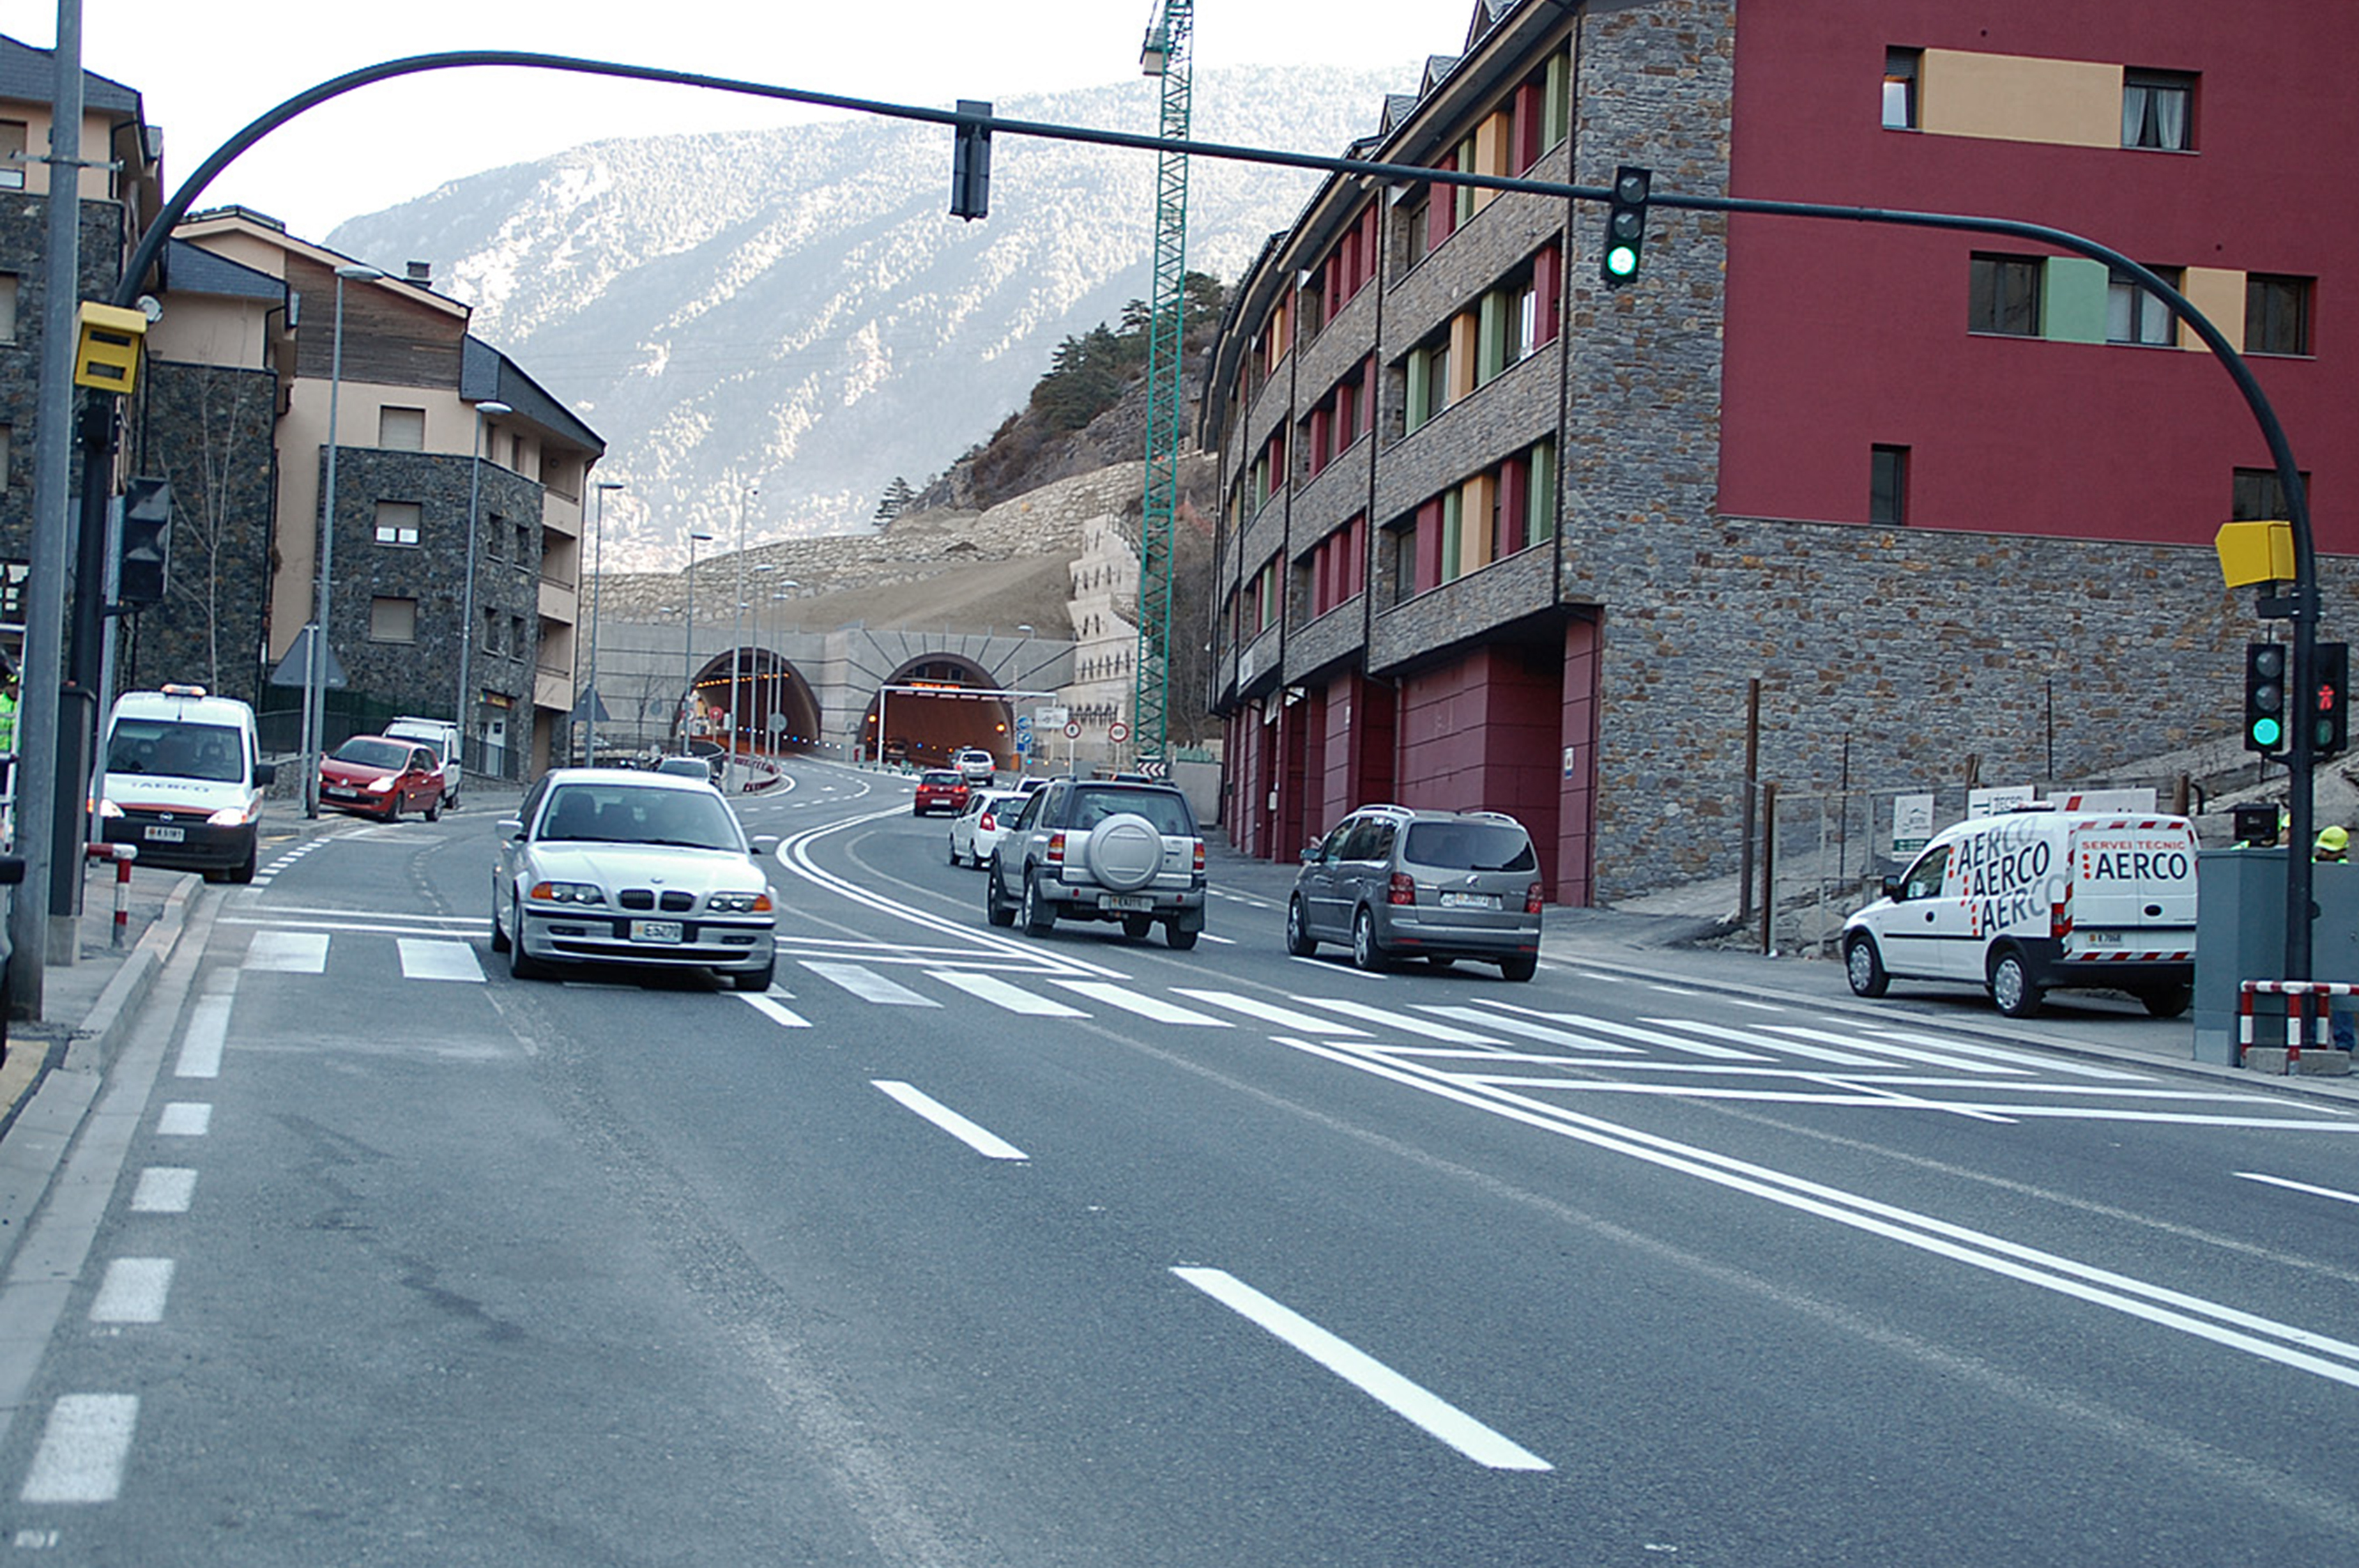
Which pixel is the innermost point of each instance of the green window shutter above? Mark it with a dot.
(1420, 372)
(2073, 300)
(1465, 194)
(1559, 101)
(1453, 531)
(1492, 334)
(1542, 520)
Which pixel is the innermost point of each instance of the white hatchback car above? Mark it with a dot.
(976, 831)
(976, 765)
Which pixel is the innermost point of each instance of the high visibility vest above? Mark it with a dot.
(7, 722)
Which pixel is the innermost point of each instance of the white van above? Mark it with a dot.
(184, 781)
(440, 734)
(2037, 900)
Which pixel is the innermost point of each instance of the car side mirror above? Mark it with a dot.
(1892, 888)
(1310, 851)
(266, 772)
(512, 825)
(766, 843)
(12, 870)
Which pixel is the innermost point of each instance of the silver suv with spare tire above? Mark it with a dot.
(1096, 849)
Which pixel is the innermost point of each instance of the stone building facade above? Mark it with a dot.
(1478, 547)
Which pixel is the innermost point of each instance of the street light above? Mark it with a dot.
(315, 654)
(462, 711)
(777, 677)
(688, 641)
(597, 582)
(737, 626)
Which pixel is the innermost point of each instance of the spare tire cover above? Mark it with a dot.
(1126, 852)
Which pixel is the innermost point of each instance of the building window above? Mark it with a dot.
(2002, 296)
(392, 621)
(2136, 314)
(524, 544)
(2158, 110)
(2276, 315)
(491, 631)
(12, 155)
(1900, 88)
(1887, 486)
(396, 522)
(2259, 497)
(517, 643)
(7, 306)
(7, 444)
(401, 430)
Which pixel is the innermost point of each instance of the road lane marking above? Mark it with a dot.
(439, 959)
(164, 1189)
(1657, 1037)
(83, 1446)
(1999, 1053)
(868, 985)
(777, 1012)
(185, 1119)
(999, 993)
(1791, 1047)
(1270, 1012)
(988, 1145)
(1429, 1411)
(208, 1030)
(1949, 1057)
(2285, 1344)
(1449, 1034)
(1146, 1006)
(1527, 1030)
(133, 1291)
(288, 952)
(2299, 1186)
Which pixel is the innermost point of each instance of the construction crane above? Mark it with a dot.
(1165, 54)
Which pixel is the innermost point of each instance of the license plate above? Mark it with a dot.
(1470, 900)
(655, 930)
(168, 834)
(1131, 900)
(2102, 938)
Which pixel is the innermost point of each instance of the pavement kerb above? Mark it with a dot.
(94, 1040)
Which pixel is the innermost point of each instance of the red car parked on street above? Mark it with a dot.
(379, 776)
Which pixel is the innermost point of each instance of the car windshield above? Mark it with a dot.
(1164, 808)
(212, 752)
(1469, 847)
(637, 813)
(939, 780)
(371, 752)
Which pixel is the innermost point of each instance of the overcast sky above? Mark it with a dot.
(205, 70)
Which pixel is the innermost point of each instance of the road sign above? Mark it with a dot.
(1154, 768)
(1072, 732)
(1052, 717)
(1117, 731)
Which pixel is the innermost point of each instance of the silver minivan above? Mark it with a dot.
(1441, 885)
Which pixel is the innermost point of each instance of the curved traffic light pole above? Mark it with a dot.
(2304, 602)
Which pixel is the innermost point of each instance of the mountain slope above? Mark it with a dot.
(796, 304)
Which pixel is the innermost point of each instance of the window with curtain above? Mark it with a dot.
(2157, 111)
(392, 621)
(396, 522)
(12, 155)
(2135, 314)
(1900, 88)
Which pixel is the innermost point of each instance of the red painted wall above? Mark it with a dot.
(1576, 830)
(1483, 734)
(1841, 335)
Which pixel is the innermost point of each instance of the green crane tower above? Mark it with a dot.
(1165, 55)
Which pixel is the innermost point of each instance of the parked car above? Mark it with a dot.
(976, 765)
(185, 781)
(377, 775)
(1094, 849)
(685, 767)
(443, 736)
(622, 866)
(939, 789)
(1441, 885)
(977, 830)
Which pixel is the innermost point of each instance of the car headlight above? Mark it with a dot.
(378, 786)
(228, 817)
(739, 903)
(567, 892)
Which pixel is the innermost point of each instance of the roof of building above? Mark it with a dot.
(28, 73)
(193, 269)
(487, 375)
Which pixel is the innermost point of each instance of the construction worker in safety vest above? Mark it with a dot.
(2334, 844)
(8, 727)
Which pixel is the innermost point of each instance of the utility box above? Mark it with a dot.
(2240, 936)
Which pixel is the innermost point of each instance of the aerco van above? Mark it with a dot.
(2037, 900)
(184, 781)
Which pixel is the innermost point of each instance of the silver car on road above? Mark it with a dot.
(620, 866)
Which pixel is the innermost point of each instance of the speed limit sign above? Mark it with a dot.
(1117, 731)
(1072, 732)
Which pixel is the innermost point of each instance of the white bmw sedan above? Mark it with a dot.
(617, 866)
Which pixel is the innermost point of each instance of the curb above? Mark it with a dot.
(94, 1042)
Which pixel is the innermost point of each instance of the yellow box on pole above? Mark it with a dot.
(107, 354)
(2255, 552)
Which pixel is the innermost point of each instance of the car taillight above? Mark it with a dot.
(1056, 849)
(1532, 899)
(987, 825)
(1199, 857)
(2059, 922)
(1403, 889)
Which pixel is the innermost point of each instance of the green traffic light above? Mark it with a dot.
(1622, 261)
(2267, 733)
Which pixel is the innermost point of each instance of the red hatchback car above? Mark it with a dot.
(939, 789)
(379, 776)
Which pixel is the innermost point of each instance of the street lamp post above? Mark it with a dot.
(315, 655)
(597, 582)
(688, 641)
(737, 626)
(462, 712)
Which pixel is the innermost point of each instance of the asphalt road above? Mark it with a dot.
(966, 1248)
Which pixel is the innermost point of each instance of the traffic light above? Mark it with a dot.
(146, 561)
(2265, 697)
(971, 165)
(2334, 732)
(1625, 225)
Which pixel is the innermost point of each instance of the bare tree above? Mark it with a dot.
(221, 487)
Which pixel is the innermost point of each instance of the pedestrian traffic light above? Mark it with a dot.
(2332, 734)
(2265, 697)
(971, 165)
(1626, 224)
(145, 563)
